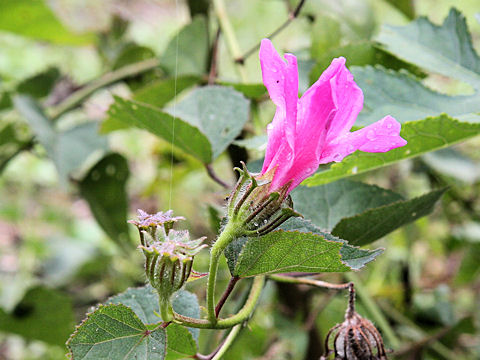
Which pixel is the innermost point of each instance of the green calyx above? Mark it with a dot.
(254, 207)
(168, 262)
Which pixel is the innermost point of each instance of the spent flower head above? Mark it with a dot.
(148, 224)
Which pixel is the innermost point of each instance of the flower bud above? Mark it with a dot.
(255, 206)
(356, 338)
(169, 263)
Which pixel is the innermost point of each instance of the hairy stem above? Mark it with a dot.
(228, 341)
(226, 237)
(229, 322)
(230, 37)
(223, 347)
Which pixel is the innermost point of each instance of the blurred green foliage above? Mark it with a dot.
(66, 190)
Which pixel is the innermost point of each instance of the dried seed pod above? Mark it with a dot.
(356, 338)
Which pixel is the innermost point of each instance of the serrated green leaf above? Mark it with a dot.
(285, 251)
(326, 205)
(183, 135)
(115, 332)
(35, 19)
(156, 93)
(374, 223)
(104, 189)
(181, 341)
(219, 112)
(426, 135)
(445, 49)
(352, 256)
(43, 314)
(298, 246)
(187, 52)
(405, 98)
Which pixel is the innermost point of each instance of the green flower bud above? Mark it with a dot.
(258, 209)
(168, 263)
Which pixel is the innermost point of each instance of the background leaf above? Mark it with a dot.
(192, 44)
(183, 135)
(432, 133)
(156, 93)
(360, 213)
(405, 98)
(43, 314)
(445, 49)
(104, 189)
(375, 223)
(115, 332)
(35, 19)
(219, 112)
(326, 205)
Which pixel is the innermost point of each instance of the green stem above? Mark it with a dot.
(225, 238)
(236, 319)
(166, 311)
(228, 341)
(109, 78)
(374, 311)
(232, 43)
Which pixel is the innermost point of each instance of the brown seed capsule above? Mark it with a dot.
(356, 338)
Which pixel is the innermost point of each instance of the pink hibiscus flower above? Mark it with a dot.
(315, 129)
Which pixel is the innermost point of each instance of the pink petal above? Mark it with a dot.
(281, 81)
(348, 98)
(382, 136)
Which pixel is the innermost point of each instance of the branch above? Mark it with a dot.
(306, 281)
(214, 59)
(291, 16)
(215, 177)
(107, 79)
(231, 284)
(231, 39)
